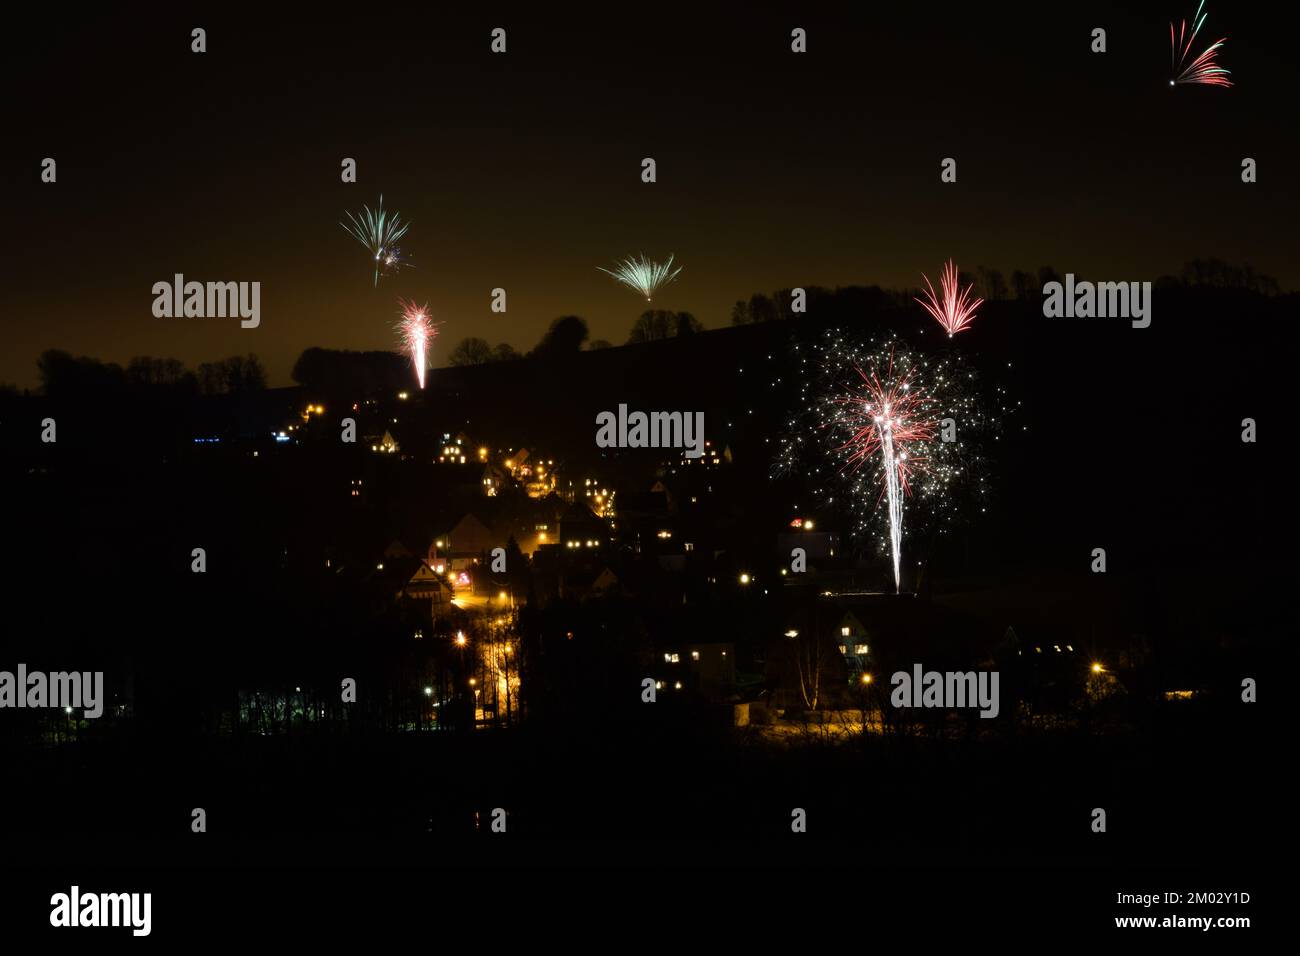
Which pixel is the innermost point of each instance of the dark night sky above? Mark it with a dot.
(522, 171)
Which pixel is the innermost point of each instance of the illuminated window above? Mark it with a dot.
(689, 546)
(860, 650)
(695, 655)
(843, 649)
(844, 632)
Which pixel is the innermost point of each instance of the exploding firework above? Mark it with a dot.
(379, 233)
(417, 333)
(644, 276)
(883, 424)
(955, 310)
(1205, 68)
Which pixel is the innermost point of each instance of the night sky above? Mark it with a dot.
(523, 171)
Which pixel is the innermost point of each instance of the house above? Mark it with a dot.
(580, 528)
(426, 585)
(461, 547)
(707, 668)
(589, 582)
(854, 645)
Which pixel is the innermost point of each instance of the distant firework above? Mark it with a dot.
(955, 310)
(379, 233)
(868, 436)
(1205, 68)
(417, 334)
(643, 275)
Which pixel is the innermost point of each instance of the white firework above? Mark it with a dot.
(644, 275)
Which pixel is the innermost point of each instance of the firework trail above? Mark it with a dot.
(417, 333)
(1205, 68)
(956, 310)
(379, 233)
(643, 275)
(895, 420)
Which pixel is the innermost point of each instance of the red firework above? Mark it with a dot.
(417, 333)
(889, 417)
(956, 310)
(1205, 68)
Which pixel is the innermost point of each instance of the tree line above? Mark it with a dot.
(569, 334)
(62, 373)
(991, 285)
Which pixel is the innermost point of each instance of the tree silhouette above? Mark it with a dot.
(234, 375)
(654, 325)
(564, 337)
(470, 351)
(63, 375)
(992, 286)
(1022, 284)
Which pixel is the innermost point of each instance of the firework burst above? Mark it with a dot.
(643, 275)
(882, 424)
(417, 333)
(379, 233)
(1203, 69)
(955, 311)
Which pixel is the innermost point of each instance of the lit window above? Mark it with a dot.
(689, 546)
(677, 659)
(695, 655)
(843, 649)
(860, 650)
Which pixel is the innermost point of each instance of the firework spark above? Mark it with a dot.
(880, 424)
(379, 233)
(643, 275)
(956, 310)
(1205, 68)
(417, 333)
